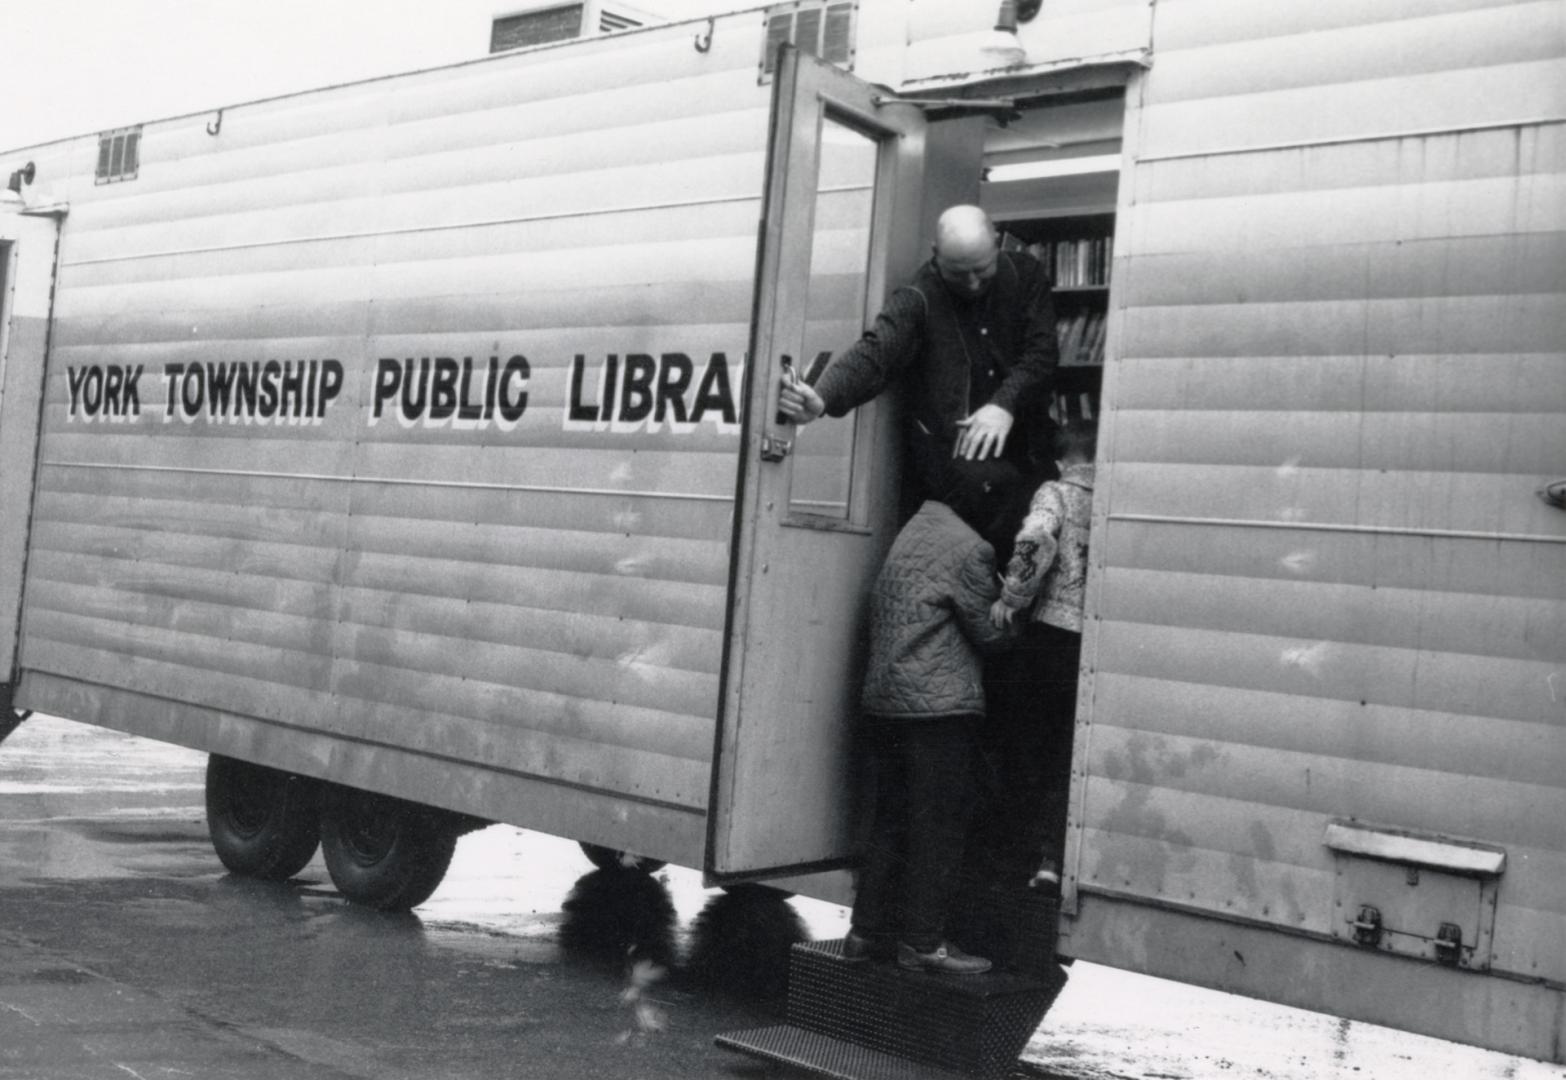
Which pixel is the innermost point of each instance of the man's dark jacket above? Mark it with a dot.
(955, 354)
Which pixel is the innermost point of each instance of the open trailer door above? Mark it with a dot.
(28, 248)
(845, 214)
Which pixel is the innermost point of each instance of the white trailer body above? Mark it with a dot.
(345, 465)
(1322, 722)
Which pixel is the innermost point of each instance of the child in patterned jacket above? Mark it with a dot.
(1048, 570)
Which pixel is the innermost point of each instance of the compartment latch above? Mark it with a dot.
(1448, 944)
(1367, 927)
(774, 448)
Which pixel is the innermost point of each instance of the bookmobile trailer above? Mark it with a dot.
(418, 437)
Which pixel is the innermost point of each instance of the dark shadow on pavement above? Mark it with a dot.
(619, 915)
(740, 943)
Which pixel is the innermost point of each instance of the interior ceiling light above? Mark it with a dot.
(1039, 170)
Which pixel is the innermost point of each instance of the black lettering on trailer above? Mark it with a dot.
(675, 372)
(245, 389)
(269, 398)
(74, 377)
(220, 386)
(443, 390)
(636, 389)
(414, 400)
(491, 387)
(192, 392)
(291, 405)
(171, 374)
(388, 382)
(576, 411)
(92, 391)
(103, 390)
(715, 392)
(132, 391)
(511, 408)
(467, 411)
(113, 380)
(609, 385)
(330, 386)
(312, 372)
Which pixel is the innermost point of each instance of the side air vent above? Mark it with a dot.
(823, 28)
(119, 155)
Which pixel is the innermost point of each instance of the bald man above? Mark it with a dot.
(973, 336)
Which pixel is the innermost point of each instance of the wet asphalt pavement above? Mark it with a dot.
(126, 951)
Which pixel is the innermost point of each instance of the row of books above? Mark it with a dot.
(1081, 338)
(1068, 405)
(1071, 263)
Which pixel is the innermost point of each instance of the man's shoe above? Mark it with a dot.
(945, 958)
(857, 947)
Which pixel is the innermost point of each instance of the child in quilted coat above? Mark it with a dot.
(923, 699)
(1046, 576)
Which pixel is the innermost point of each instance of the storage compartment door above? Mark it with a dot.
(841, 220)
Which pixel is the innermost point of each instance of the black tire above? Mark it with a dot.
(607, 858)
(264, 823)
(382, 852)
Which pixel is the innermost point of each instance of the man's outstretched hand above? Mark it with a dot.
(983, 434)
(798, 400)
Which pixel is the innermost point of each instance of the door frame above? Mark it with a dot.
(806, 93)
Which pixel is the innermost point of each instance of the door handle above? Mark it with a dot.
(776, 447)
(1554, 493)
(786, 363)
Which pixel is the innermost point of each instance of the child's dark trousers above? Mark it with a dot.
(922, 780)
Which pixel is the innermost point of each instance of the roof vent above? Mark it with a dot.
(609, 21)
(563, 22)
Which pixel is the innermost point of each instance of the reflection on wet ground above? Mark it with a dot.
(105, 865)
(620, 915)
(738, 943)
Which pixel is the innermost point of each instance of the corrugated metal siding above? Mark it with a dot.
(1325, 588)
(542, 601)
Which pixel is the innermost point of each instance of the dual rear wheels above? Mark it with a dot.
(381, 852)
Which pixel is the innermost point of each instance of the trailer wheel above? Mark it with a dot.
(607, 858)
(382, 852)
(264, 823)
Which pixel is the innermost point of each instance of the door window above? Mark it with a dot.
(822, 482)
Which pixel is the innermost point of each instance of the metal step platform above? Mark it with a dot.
(874, 1021)
(823, 1055)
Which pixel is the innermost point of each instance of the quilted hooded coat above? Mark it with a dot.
(929, 617)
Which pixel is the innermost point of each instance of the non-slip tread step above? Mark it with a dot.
(829, 1056)
(975, 1025)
